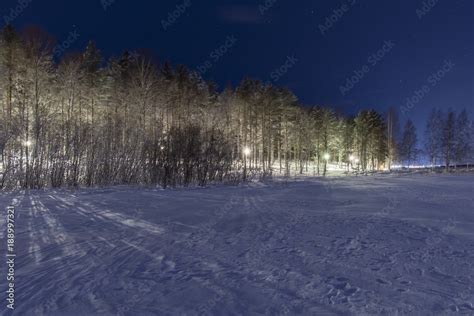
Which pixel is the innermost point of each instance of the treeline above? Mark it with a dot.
(447, 140)
(82, 121)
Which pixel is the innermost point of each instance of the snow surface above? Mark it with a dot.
(382, 245)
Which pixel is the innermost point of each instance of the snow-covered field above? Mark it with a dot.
(381, 245)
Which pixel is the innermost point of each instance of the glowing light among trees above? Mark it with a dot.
(247, 151)
(133, 121)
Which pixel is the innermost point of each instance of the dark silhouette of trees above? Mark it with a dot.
(408, 149)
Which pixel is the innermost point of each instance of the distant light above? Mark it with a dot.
(247, 151)
(162, 147)
(28, 143)
(351, 158)
(326, 156)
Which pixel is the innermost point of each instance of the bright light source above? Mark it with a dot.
(351, 158)
(247, 151)
(162, 147)
(28, 143)
(326, 156)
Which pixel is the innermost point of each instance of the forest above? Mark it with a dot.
(75, 119)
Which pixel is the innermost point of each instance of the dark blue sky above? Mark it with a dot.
(422, 42)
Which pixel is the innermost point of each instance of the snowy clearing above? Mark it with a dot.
(336, 246)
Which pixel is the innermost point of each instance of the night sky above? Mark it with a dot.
(322, 43)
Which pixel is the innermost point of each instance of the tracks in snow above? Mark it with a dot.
(272, 249)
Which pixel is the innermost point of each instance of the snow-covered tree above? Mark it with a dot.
(370, 139)
(77, 120)
(392, 136)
